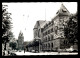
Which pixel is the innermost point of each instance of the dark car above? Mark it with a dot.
(12, 54)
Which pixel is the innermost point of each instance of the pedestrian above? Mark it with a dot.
(3, 53)
(24, 50)
(58, 51)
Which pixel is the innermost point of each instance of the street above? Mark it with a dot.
(45, 53)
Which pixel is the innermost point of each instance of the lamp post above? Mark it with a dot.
(39, 45)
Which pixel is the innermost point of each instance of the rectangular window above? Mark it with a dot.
(56, 28)
(48, 31)
(52, 30)
(52, 45)
(56, 31)
(51, 37)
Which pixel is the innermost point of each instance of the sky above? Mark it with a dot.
(24, 15)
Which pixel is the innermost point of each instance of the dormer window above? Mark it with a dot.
(63, 10)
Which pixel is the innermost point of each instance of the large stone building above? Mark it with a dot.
(20, 41)
(53, 32)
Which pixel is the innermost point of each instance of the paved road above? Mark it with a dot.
(45, 53)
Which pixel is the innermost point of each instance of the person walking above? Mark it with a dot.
(24, 50)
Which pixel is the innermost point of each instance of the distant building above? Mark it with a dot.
(20, 40)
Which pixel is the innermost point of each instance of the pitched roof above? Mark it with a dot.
(46, 22)
(39, 23)
(63, 10)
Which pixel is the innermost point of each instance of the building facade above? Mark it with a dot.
(38, 35)
(53, 33)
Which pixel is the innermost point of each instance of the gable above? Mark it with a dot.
(63, 10)
(36, 25)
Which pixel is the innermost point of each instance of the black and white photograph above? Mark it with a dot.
(39, 28)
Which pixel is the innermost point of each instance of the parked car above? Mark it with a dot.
(70, 49)
(6, 53)
(12, 54)
(15, 50)
(33, 51)
(19, 50)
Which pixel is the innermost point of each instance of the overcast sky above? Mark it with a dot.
(25, 15)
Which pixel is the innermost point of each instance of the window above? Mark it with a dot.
(48, 45)
(52, 22)
(56, 28)
(51, 45)
(56, 31)
(64, 10)
(46, 38)
(51, 37)
(38, 33)
(61, 29)
(61, 21)
(52, 30)
(43, 34)
(44, 45)
(48, 31)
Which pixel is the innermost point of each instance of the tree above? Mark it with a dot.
(71, 31)
(6, 24)
(13, 45)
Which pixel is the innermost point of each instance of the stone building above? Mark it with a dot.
(20, 40)
(53, 32)
(38, 35)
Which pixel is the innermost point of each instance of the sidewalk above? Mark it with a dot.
(45, 53)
